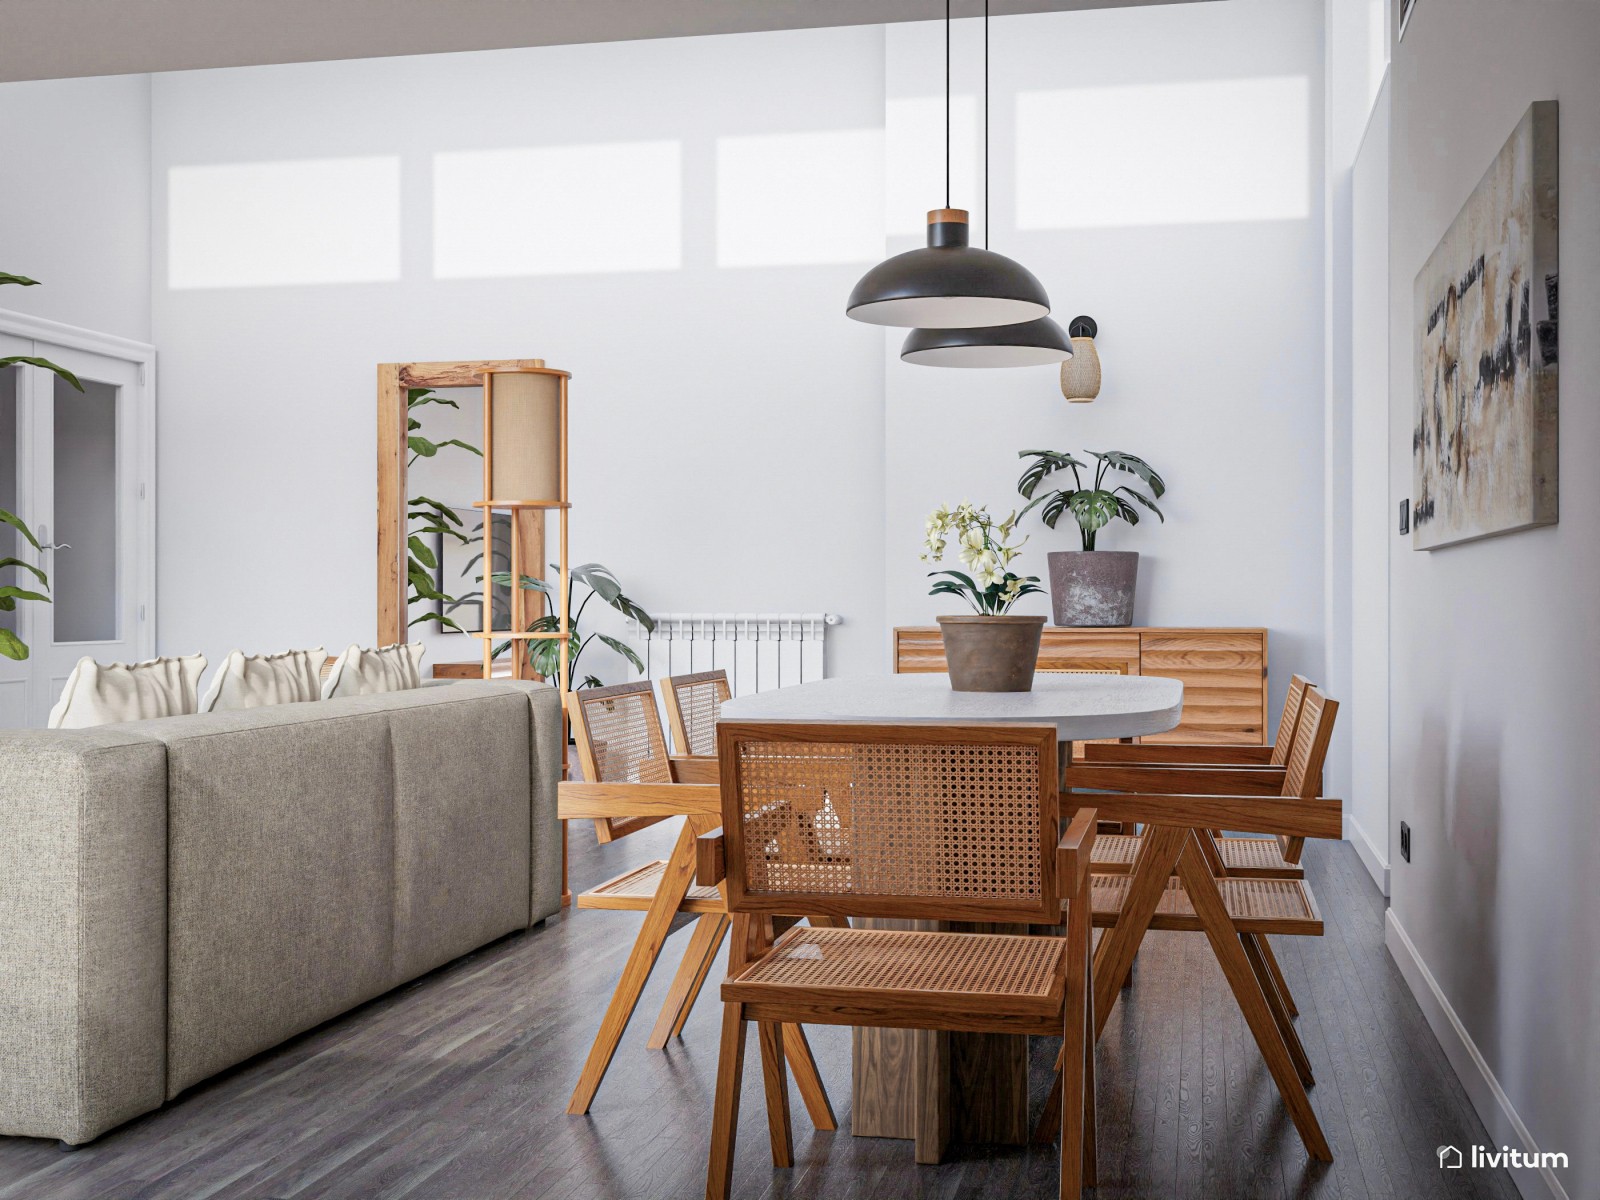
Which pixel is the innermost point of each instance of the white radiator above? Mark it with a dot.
(759, 651)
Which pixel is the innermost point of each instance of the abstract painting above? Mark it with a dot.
(1483, 444)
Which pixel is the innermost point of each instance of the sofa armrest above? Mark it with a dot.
(83, 931)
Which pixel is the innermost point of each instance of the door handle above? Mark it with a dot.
(56, 546)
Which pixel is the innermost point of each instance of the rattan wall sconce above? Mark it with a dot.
(1080, 374)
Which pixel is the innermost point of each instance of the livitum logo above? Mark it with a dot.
(1487, 1157)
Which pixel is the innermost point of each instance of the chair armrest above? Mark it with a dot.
(1287, 816)
(1074, 852)
(701, 768)
(1193, 781)
(1187, 754)
(576, 801)
(710, 858)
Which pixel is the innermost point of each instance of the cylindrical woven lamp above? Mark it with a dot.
(1080, 374)
(523, 437)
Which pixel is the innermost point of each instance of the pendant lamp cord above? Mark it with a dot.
(985, 124)
(947, 103)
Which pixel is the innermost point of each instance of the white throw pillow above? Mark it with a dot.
(105, 693)
(359, 672)
(255, 681)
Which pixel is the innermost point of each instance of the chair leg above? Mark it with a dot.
(807, 1078)
(1280, 1012)
(1199, 883)
(1091, 1167)
(669, 895)
(704, 942)
(725, 1111)
(776, 1081)
(1278, 980)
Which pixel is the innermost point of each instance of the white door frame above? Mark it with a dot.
(141, 426)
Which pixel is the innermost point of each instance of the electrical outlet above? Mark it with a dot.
(1405, 516)
(1405, 841)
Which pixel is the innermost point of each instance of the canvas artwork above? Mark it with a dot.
(1483, 443)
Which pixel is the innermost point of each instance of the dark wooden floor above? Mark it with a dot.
(455, 1088)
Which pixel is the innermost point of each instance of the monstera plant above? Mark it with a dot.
(1091, 587)
(544, 654)
(11, 595)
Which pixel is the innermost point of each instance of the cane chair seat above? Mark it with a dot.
(1253, 905)
(1245, 857)
(855, 971)
(635, 889)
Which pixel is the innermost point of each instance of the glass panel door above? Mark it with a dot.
(85, 494)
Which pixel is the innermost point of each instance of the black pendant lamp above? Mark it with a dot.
(1034, 343)
(948, 284)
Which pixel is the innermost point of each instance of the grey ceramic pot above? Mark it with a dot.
(991, 654)
(1093, 587)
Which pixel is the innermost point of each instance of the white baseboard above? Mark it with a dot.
(1494, 1107)
(1376, 862)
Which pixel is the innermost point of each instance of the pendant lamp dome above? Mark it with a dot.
(1026, 344)
(949, 284)
(1029, 343)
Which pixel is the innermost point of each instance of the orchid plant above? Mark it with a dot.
(985, 548)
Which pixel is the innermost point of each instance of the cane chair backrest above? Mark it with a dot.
(694, 702)
(617, 731)
(1289, 722)
(930, 821)
(1302, 776)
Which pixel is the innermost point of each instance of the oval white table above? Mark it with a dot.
(937, 1087)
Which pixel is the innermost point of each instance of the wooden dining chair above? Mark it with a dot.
(631, 783)
(693, 703)
(927, 822)
(1180, 882)
(1300, 776)
(1196, 754)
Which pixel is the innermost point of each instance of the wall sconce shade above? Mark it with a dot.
(948, 284)
(1026, 344)
(1080, 375)
(522, 454)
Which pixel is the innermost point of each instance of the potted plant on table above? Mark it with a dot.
(1091, 587)
(990, 650)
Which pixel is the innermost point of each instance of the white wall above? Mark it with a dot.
(1373, 514)
(1496, 696)
(727, 432)
(75, 205)
(1165, 179)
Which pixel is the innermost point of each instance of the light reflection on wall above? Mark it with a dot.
(558, 210)
(788, 199)
(266, 224)
(1164, 154)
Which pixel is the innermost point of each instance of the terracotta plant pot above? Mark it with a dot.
(991, 654)
(1093, 588)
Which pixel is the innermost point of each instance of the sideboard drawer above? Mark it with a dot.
(1224, 677)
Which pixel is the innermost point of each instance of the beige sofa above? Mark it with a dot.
(178, 895)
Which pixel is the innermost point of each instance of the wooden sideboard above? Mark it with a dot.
(1223, 671)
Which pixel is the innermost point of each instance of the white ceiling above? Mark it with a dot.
(49, 39)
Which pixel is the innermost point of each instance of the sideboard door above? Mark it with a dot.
(1224, 675)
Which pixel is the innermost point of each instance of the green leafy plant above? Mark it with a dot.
(544, 654)
(1094, 507)
(985, 550)
(428, 516)
(12, 646)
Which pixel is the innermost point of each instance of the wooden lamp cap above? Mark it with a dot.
(952, 216)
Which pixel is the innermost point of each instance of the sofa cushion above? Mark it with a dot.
(261, 680)
(461, 833)
(108, 693)
(281, 876)
(359, 672)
